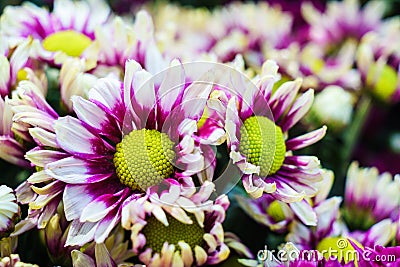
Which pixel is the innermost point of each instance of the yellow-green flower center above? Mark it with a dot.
(144, 158)
(157, 233)
(358, 218)
(263, 144)
(340, 248)
(275, 211)
(383, 81)
(70, 42)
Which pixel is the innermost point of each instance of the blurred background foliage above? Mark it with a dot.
(121, 5)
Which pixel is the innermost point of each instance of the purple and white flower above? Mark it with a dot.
(68, 28)
(171, 226)
(371, 205)
(378, 60)
(139, 118)
(261, 148)
(129, 41)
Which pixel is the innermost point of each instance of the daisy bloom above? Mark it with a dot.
(278, 215)
(342, 20)
(129, 41)
(183, 33)
(335, 114)
(68, 28)
(33, 122)
(174, 227)
(9, 210)
(260, 147)
(241, 33)
(371, 205)
(154, 122)
(14, 70)
(370, 197)
(12, 65)
(378, 59)
(328, 227)
(317, 66)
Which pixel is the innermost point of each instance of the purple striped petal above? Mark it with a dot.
(43, 137)
(306, 139)
(107, 94)
(284, 97)
(298, 110)
(95, 117)
(139, 93)
(73, 170)
(303, 185)
(327, 213)
(12, 151)
(74, 138)
(286, 193)
(232, 124)
(106, 225)
(170, 91)
(77, 197)
(194, 99)
(41, 157)
(80, 233)
(102, 205)
(36, 97)
(6, 117)
(19, 58)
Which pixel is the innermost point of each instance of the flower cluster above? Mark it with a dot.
(162, 135)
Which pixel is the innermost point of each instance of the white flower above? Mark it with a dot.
(333, 107)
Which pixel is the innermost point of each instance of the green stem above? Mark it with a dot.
(352, 135)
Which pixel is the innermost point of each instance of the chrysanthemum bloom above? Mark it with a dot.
(126, 138)
(268, 211)
(277, 215)
(260, 147)
(317, 66)
(68, 28)
(33, 122)
(328, 226)
(378, 60)
(183, 33)
(371, 204)
(102, 58)
(9, 211)
(335, 114)
(328, 56)
(241, 33)
(341, 21)
(12, 63)
(225, 32)
(171, 226)
(130, 41)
